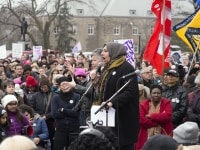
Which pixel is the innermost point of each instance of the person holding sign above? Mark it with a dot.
(126, 102)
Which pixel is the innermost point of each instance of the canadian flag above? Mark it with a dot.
(158, 47)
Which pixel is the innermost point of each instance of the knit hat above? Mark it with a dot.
(80, 72)
(44, 81)
(160, 142)
(63, 79)
(31, 81)
(18, 80)
(7, 99)
(186, 133)
(2, 111)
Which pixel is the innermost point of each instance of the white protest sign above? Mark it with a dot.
(102, 118)
(17, 50)
(3, 52)
(37, 52)
(130, 56)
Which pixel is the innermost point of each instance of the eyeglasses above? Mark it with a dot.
(12, 104)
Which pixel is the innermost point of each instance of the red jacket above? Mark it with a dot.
(164, 119)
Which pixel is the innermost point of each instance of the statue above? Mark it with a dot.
(24, 27)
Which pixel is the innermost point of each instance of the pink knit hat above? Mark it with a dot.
(80, 72)
(18, 80)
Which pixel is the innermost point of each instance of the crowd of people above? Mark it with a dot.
(48, 100)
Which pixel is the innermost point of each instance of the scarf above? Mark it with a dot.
(114, 64)
(66, 96)
(154, 130)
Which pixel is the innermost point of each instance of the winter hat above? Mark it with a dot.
(2, 111)
(80, 72)
(17, 88)
(160, 142)
(63, 79)
(44, 81)
(186, 133)
(31, 81)
(7, 99)
(18, 80)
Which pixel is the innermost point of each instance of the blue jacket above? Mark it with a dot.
(40, 128)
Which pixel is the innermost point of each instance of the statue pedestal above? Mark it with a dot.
(25, 44)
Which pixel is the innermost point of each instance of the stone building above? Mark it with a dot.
(108, 20)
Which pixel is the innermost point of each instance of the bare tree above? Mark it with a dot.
(40, 15)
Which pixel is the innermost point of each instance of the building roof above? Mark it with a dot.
(126, 8)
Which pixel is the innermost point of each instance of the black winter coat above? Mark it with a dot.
(177, 94)
(126, 103)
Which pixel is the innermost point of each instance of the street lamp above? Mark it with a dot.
(139, 38)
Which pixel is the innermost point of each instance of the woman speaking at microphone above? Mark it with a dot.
(126, 102)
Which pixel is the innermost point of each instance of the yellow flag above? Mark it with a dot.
(188, 30)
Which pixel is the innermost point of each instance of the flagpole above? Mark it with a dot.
(163, 39)
(194, 55)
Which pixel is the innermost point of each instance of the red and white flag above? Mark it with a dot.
(158, 47)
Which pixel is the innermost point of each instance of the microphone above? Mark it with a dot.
(129, 75)
(99, 69)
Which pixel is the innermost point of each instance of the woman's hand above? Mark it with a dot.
(148, 116)
(36, 140)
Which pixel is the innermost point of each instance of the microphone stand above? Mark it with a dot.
(107, 101)
(77, 106)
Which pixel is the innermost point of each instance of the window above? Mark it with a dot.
(136, 48)
(74, 29)
(90, 29)
(117, 29)
(80, 12)
(134, 30)
(132, 12)
(149, 13)
(56, 30)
